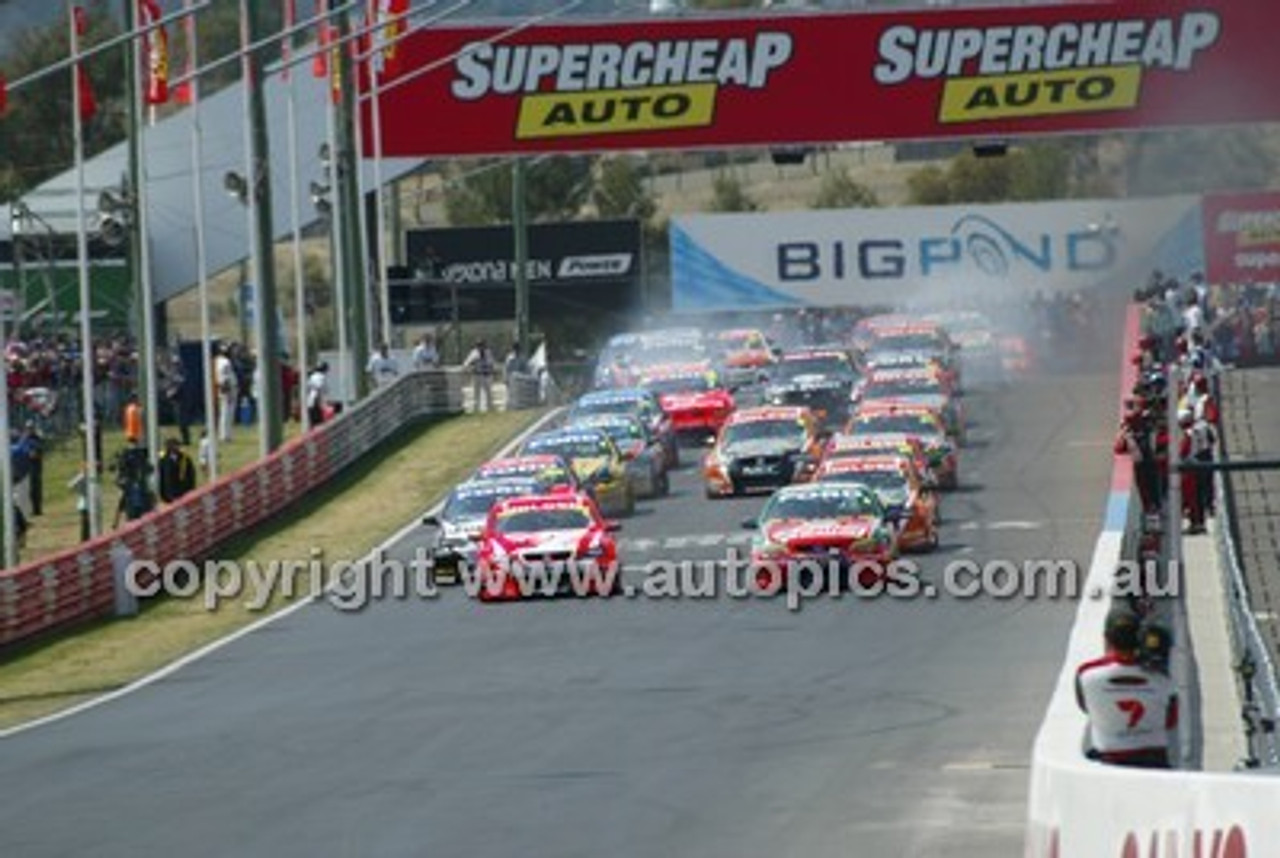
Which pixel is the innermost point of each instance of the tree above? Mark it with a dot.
(35, 133)
(555, 189)
(1191, 161)
(728, 195)
(928, 187)
(839, 190)
(620, 192)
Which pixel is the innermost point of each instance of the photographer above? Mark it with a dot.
(1131, 707)
(132, 469)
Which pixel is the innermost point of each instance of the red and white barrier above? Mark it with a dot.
(78, 585)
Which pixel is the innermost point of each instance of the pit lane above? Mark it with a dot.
(627, 727)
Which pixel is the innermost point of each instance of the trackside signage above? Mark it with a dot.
(777, 79)
(1242, 237)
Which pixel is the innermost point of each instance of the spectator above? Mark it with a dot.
(425, 353)
(133, 429)
(1131, 708)
(32, 444)
(1134, 440)
(204, 453)
(318, 393)
(224, 377)
(480, 364)
(177, 473)
(133, 468)
(80, 485)
(384, 368)
(174, 379)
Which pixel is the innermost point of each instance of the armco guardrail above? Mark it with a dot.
(78, 585)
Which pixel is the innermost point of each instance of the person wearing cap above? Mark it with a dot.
(480, 364)
(177, 473)
(1132, 709)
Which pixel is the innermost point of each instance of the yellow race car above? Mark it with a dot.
(596, 461)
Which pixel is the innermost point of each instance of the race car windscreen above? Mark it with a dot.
(887, 388)
(668, 354)
(906, 424)
(764, 430)
(538, 520)
(909, 343)
(831, 367)
(680, 384)
(884, 482)
(571, 447)
(625, 433)
(820, 504)
(476, 502)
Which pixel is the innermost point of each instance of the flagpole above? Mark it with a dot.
(147, 362)
(202, 260)
(6, 463)
(251, 214)
(362, 219)
(338, 252)
(299, 281)
(86, 329)
(378, 67)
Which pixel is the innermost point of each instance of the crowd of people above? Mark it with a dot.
(1171, 414)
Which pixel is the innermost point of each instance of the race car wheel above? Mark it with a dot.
(673, 456)
(662, 484)
(629, 504)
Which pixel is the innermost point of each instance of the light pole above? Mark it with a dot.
(520, 244)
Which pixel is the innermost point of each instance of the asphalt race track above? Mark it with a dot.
(613, 727)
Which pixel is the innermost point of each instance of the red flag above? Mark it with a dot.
(155, 53)
(392, 12)
(4, 94)
(182, 93)
(87, 105)
(320, 62)
(286, 44)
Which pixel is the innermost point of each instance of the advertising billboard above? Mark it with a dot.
(721, 81)
(871, 256)
(1242, 237)
(583, 266)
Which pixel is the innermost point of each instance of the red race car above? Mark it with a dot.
(895, 481)
(547, 545)
(824, 523)
(692, 396)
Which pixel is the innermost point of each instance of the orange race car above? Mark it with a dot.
(907, 501)
(923, 422)
(862, 445)
(760, 449)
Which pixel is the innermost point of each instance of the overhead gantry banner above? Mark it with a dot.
(824, 78)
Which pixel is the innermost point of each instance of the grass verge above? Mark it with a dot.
(345, 519)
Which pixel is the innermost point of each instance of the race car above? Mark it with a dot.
(596, 461)
(906, 499)
(645, 457)
(748, 355)
(692, 397)
(461, 522)
(976, 336)
(916, 420)
(831, 525)
(639, 403)
(544, 542)
(760, 449)
(917, 338)
(822, 381)
(862, 445)
(919, 387)
(550, 472)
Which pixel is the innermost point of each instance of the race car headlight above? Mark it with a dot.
(596, 550)
(762, 546)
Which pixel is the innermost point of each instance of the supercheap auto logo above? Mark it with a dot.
(594, 88)
(1017, 71)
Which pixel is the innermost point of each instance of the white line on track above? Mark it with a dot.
(213, 646)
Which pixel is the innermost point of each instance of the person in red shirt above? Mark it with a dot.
(1131, 707)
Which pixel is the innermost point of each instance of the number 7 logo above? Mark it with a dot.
(1135, 709)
